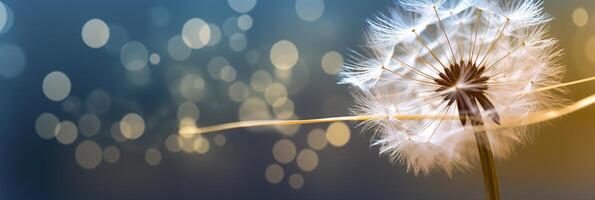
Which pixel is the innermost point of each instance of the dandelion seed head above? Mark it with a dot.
(477, 59)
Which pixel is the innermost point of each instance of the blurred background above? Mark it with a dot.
(94, 92)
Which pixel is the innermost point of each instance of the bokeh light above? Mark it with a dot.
(95, 33)
(284, 151)
(338, 134)
(134, 56)
(56, 86)
(309, 10)
(284, 55)
(274, 173)
(88, 154)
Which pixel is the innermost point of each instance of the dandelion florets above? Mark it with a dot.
(477, 59)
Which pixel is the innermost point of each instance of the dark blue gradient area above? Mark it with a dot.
(49, 32)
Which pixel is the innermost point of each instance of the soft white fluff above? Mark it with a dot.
(409, 43)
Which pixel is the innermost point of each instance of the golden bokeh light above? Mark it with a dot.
(590, 49)
(153, 156)
(88, 154)
(116, 133)
(580, 17)
(274, 173)
(132, 126)
(66, 132)
(284, 55)
(284, 151)
(273, 92)
(317, 139)
(201, 145)
(338, 134)
(307, 160)
(254, 108)
(196, 33)
(172, 144)
(283, 108)
(260, 80)
(296, 181)
(111, 154)
(187, 110)
(238, 91)
(331, 62)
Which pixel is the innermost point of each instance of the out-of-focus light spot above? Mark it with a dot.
(228, 74)
(580, 17)
(177, 49)
(288, 130)
(66, 132)
(245, 22)
(188, 110)
(172, 144)
(307, 160)
(317, 139)
(99, 101)
(238, 42)
(45, 125)
(155, 58)
(56, 86)
(118, 37)
(12, 60)
(72, 105)
(332, 62)
(116, 133)
(590, 49)
(111, 154)
(215, 66)
(192, 86)
(338, 134)
(186, 143)
(159, 16)
(260, 80)
(134, 56)
(88, 154)
(309, 10)
(241, 6)
(283, 108)
(132, 126)
(219, 140)
(215, 35)
(6, 18)
(95, 33)
(153, 156)
(273, 92)
(284, 151)
(196, 33)
(296, 181)
(89, 125)
(274, 173)
(238, 91)
(230, 26)
(284, 55)
(201, 145)
(254, 108)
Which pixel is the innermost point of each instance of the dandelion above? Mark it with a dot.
(476, 59)
(441, 84)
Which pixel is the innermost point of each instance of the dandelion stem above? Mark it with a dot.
(532, 118)
(488, 168)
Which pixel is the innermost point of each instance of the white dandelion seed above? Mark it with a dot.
(477, 59)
